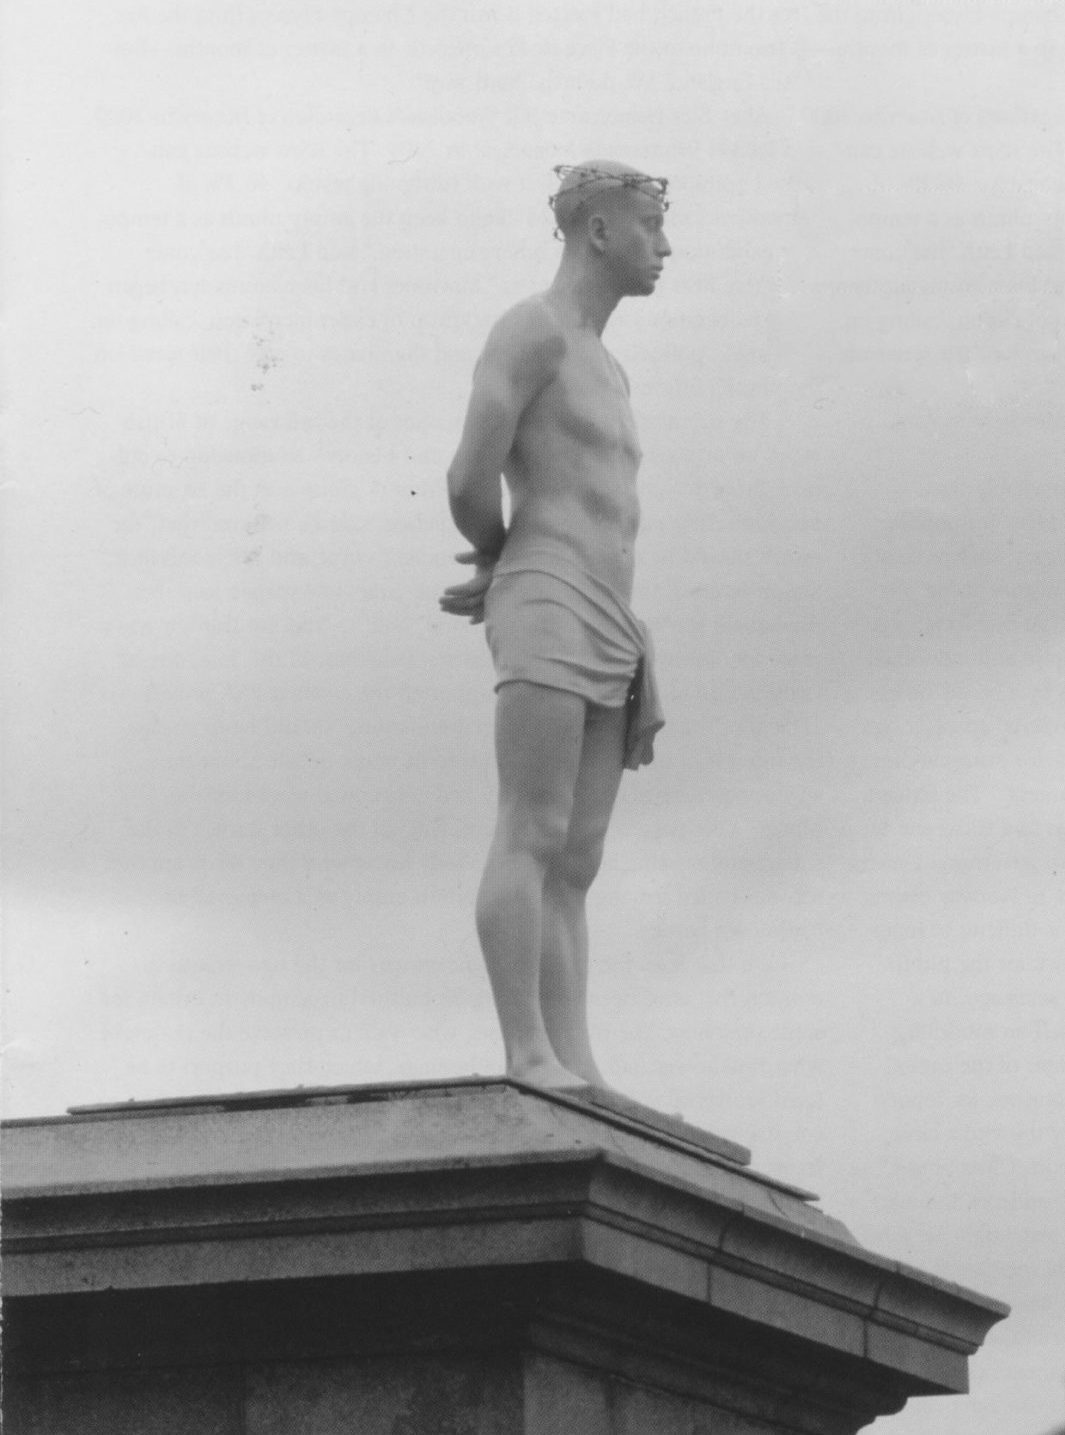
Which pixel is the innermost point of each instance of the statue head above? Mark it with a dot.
(611, 216)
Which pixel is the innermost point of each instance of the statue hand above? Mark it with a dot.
(466, 600)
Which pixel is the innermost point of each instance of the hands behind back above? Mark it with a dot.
(466, 600)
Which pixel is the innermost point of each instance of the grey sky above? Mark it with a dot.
(253, 251)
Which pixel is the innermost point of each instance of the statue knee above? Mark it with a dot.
(539, 831)
(580, 861)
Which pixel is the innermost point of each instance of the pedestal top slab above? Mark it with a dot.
(309, 1132)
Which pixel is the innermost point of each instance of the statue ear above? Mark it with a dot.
(597, 231)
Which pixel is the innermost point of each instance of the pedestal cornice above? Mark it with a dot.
(613, 1229)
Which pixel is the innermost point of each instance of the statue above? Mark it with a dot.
(576, 697)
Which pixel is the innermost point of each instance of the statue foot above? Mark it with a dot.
(551, 1075)
(585, 1068)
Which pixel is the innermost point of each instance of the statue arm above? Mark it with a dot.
(521, 357)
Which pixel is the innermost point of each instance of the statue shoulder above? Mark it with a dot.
(528, 341)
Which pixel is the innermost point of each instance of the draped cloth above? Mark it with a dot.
(547, 621)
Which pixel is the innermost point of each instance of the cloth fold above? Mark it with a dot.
(646, 717)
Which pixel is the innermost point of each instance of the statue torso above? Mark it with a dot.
(572, 468)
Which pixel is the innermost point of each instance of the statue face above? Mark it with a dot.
(633, 240)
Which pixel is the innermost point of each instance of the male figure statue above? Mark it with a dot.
(576, 701)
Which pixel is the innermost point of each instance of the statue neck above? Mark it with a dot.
(581, 289)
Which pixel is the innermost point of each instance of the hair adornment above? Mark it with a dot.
(654, 186)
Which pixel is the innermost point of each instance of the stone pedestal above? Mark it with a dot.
(471, 1257)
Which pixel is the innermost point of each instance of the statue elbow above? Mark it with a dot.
(457, 496)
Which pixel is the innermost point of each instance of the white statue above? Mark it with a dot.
(576, 704)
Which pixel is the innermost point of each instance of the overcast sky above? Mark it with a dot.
(253, 250)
